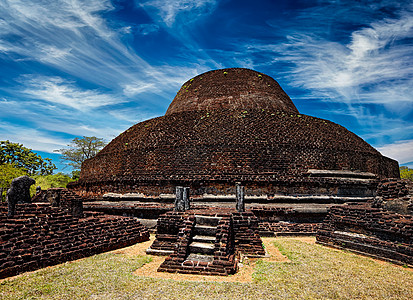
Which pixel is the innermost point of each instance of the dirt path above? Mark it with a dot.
(246, 267)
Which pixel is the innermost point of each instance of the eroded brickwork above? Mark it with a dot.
(224, 258)
(233, 88)
(40, 235)
(370, 231)
(269, 149)
(395, 195)
(229, 126)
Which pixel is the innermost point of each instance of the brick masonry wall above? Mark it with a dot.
(40, 235)
(208, 149)
(271, 220)
(67, 200)
(370, 231)
(395, 195)
(279, 220)
(246, 235)
(167, 230)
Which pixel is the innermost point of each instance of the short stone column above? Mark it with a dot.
(179, 199)
(185, 197)
(240, 191)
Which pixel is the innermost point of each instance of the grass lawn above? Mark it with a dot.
(312, 272)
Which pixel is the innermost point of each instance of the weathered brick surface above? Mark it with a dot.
(225, 256)
(277, 220)
(395, 195)
(168, 229)
(235, 130)
(391, 188)
(40, 235)
(63, 198)
(371, 231)
(233, 88)
(246, 236)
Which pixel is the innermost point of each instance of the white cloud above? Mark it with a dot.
(402, 151)
(73, 37)
(135, 88)
(376, 66)
(30, 137)
(60, 92)
(169, 10)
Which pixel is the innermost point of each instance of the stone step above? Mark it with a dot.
(204, 238)
(203, 248)
(207, 220)
(200, 257)
(205, 230)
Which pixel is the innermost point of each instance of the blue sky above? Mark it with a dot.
(72, 68)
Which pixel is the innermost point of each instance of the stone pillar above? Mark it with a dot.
(179, 201)
(240, 191)
(185, 197)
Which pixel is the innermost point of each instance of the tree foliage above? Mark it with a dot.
(25, 159)
(406, 173)
(50, 181)
(81, 149)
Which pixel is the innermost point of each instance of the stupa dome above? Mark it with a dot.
(233, 88)
(235, 125)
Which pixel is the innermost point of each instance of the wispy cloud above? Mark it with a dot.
(30, 137)
(73, 37)
(59, 91)
(169, 10)
(375, 63)
(400, 151)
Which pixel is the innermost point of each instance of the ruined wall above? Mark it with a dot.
(287, 220)
(395, 195)
(370, 231)
(40, 235)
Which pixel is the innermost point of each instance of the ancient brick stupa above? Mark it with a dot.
(236, 125)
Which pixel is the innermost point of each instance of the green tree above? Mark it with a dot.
(81, 149)
(75, 174)
(7, 173)
(406, 173)
(25, 159)
(50, 181)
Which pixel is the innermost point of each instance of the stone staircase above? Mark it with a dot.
(203, 240)
(209, 242)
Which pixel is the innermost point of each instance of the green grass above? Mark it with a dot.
(315, 272)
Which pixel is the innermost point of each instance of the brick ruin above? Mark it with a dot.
(42, 234)
(369, 231)
(235, 126)
(207, 242)
(229, 127)
(225, 128)
(382, 228)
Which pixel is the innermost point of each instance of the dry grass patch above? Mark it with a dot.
(312, 272)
